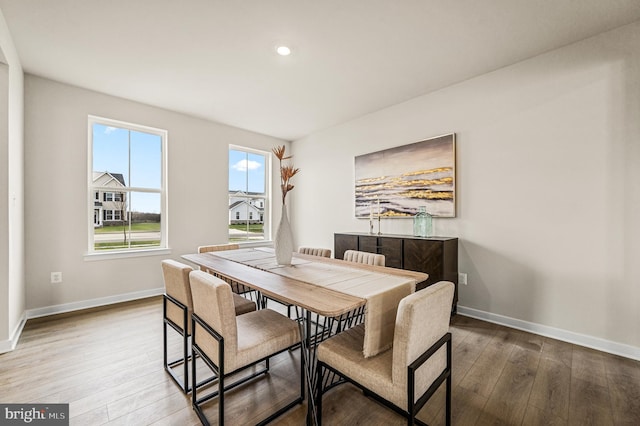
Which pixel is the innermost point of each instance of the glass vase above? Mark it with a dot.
(422, 223)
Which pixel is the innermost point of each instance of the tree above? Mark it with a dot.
(120, 204)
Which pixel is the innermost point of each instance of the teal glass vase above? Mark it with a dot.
(422, 223)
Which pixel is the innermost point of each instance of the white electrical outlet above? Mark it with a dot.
(462, 278)
(56, 277)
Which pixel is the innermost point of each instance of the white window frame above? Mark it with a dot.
(163, 248)
(268, 216)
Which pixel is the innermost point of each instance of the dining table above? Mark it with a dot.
(330, 295)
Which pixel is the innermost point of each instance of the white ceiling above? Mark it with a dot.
(215, 58)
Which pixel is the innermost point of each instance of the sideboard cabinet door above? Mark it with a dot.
(342, 243)
(392, 250)
(424, 256)
(367, 243)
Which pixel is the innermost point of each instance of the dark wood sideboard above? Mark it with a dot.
(436, 256)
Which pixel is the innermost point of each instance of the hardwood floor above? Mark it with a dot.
(107, 364)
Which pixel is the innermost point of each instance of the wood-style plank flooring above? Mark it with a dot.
(107, 364)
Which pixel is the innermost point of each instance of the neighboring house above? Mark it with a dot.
(243, 209)
(109, 206)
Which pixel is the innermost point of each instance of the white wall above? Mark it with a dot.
(4, 202)
(548, 184)
(12, 274)
(56, 179)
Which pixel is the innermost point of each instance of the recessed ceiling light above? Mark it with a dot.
(283, 50)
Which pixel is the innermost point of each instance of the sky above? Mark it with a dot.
(246, 171)
(135, 155)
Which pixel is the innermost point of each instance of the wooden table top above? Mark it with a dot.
(417, 276)
(322, 300)
(314, 298)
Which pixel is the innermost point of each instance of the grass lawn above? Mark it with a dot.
(258, 227)
(135, 227)
(115, 246)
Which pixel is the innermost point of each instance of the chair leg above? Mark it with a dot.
(302, 373)
(411, 418)
(194, 391)
(164, 345)
(194, 395)
(165, 348)
(182, 330)
(448, 382)
(318, 392)
(448, 402)
(185, 353)
(169, 365)
(221, 399)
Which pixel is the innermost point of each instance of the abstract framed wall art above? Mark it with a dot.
(394, 182)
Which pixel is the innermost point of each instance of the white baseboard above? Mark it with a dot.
(10, 344)
(92, 303)
(603, 345)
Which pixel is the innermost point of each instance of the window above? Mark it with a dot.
(249, 183)
(113, 196)
(127, 171)
(111, 215)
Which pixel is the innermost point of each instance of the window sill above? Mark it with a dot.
(90, 257)
(265, 243)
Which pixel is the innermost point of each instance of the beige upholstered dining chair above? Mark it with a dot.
(228, 343)
(177, 308)
(243, 304)
(364, 257)
(407, 375)
(313, 251)
(218, 247)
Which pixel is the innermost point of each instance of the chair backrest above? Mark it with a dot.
(213, 302)
(323, 252)
(176, 284)
(236, 287)
(422, 319)
(218, 247)
(364, 257)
